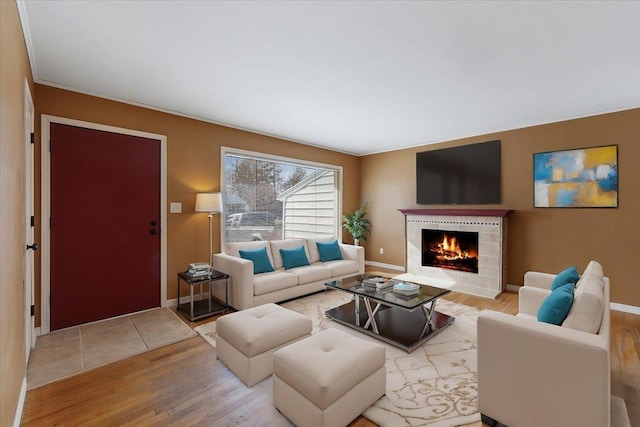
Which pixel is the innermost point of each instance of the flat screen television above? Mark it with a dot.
(463, 175)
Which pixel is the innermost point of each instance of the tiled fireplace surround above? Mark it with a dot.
(491, 226)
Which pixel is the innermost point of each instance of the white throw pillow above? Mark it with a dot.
(593, 267)
(588, 305)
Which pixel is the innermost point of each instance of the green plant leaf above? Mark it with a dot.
(357, 224)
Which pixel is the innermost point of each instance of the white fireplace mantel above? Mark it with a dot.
(491, 226)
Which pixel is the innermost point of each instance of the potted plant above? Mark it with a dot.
(357, 224)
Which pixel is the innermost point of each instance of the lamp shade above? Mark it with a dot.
(209, 202)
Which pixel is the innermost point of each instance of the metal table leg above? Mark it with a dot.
(191, 302)
(226, 295)
(372, 316)
(429, 311)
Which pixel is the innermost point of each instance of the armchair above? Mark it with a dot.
(532, 373)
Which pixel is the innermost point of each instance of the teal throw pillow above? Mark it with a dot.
(261, 263)
(569, 275)
(555, 308)
(295, 257)
(329, 251)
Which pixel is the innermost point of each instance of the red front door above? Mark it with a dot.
(105, 224)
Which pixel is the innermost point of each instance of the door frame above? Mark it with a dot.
(45, 257)
(29, 209)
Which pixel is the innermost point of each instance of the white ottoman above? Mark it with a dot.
(328, 379)
(246, 340)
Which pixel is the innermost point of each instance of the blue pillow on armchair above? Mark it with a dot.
(568, 275)
(555, 308)
(261, 263)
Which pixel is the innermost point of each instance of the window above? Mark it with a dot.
(270, 198)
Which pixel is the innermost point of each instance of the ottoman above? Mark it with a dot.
(246, 340)
(328, 379)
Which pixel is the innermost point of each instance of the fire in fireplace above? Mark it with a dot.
(455, 250)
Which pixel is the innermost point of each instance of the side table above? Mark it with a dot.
(202, 308)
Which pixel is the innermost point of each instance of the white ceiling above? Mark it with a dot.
(356, 77)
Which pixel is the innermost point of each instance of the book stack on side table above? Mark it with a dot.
(199, 269)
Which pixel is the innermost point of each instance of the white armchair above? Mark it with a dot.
(532, 373)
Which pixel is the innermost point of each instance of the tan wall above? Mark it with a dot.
(14, 68)
(193, 164)
(539, 239)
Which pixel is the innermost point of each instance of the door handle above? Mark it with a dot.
(153, 223)
(153, 231)
(33, 247)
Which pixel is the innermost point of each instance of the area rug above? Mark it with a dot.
(208, 332)
(71, 351)
(435, 385)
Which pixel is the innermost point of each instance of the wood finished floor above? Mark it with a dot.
(181, 384)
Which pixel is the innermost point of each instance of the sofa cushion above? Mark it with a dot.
(261, 262)
(586, 312)
(329, 251)
(295, 257)
(312, 248)
(311, 273)
(276, 245)
(555, 307)
(342, 267)
(233, 249)
(569, 275)
(274, 281)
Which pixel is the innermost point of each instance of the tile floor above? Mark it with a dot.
(73, 350)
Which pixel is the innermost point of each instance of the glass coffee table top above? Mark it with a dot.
(387, 295)
(400, 320)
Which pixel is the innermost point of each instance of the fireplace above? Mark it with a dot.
(491, 248)
(453, 250)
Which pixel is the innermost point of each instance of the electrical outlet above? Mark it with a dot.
(381, 251)
(175, 207)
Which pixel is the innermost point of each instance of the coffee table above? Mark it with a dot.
(398, 320)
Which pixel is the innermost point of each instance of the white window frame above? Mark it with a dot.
(224, 151)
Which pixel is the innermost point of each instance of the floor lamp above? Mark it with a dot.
(212, 204)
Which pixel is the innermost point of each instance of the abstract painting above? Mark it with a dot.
(582, 178)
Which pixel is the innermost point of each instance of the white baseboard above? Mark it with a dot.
(511, 288)
(384, 265)
(20, 407)
(631, 309)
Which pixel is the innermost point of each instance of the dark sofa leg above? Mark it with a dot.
(490, 421)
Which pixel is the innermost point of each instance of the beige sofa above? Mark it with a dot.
(532, 373)
(248, 290)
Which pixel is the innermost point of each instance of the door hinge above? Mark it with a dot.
(33, 138)
(33, 220)
(50, 145)
(33, 310)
